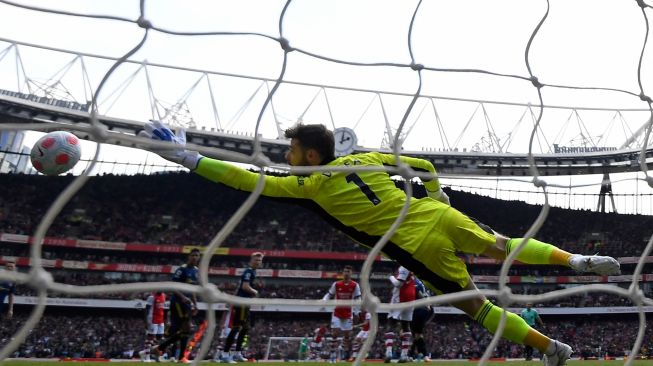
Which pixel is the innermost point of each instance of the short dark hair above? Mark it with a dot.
(348, 267)
(316, 137)
(194, 250)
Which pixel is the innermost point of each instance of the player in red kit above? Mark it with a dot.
(316, 343)
(362, 335)
(155, 318)
(403, 290)
(342, 317)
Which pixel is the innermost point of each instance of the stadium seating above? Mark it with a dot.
(120, 209)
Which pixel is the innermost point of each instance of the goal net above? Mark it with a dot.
(287, 349)
(389, 79)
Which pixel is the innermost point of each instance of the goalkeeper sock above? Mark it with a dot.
(537, 252)
(516, 329)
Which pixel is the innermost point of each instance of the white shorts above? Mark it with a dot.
(342, 324)
(156, 329)
(406, 314)
(362, 334)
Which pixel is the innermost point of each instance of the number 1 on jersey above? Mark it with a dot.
(367, 191)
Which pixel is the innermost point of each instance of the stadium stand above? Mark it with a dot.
(111, 208)
(117, 334)
(118, 229)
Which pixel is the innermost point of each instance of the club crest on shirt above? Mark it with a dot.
(352, 162)
(300, 181)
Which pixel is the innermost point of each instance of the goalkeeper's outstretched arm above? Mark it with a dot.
(241, 179)
(244, 180)
(222, 172)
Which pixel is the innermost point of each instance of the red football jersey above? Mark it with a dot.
(156, 310)
(365, 317)
(406, 292)
(344, 291)
(319, 334)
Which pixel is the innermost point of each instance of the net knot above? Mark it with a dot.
(370, 303)
(636, 295)
(144, 23)
(641, 4)
(261, 160)
(504, 296)
(99, 132)
(417, 67)
(405, 171)
(285, 45)
(210, 293)
(536, 83)
(539, 183)
(645, 98)
(40, 279)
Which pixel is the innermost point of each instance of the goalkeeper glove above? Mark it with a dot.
(439, 195)
(155, 130)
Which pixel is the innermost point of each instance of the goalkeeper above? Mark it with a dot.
(365, 204)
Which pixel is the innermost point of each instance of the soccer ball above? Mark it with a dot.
(55, 153)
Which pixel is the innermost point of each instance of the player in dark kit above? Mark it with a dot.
(421, 317)
(240, 316)
(7, 290)
(182, 308)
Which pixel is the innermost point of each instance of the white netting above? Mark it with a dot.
(285, 348)
(39, 279)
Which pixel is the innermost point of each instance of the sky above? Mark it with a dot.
(581, 44)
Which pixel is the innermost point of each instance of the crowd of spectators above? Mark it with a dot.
(139, 209)
(125, 208)
(120, 335)
(222, 261)
(69, 335)
(305, 290)
(128, 208)
(589, 337)
(577, 231)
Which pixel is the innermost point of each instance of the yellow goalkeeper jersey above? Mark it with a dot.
(362, 204)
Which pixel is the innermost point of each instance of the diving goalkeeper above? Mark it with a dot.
(365, 204)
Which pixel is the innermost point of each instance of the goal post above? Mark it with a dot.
(285, 348)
